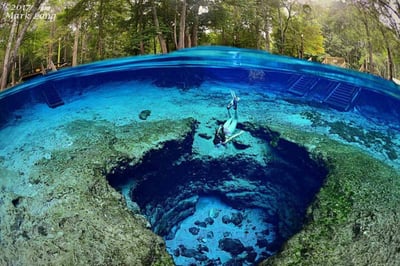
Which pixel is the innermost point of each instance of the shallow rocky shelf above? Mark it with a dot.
(74, 216)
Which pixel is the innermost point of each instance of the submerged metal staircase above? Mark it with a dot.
(342, 96)
(335, 94)
(52, 97)
(303, 85)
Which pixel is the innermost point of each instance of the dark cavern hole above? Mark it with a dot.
(219, 211)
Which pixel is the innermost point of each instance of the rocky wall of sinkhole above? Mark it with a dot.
(168, 184)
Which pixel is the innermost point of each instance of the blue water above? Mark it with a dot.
(374, 97)
(250, 231)
(197, 83)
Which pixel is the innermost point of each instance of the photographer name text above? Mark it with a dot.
(18, 12)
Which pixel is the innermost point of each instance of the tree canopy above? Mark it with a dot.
(41, 34)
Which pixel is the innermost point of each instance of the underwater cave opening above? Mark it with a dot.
(213, 211)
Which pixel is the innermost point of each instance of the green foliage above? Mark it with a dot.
(127, 27)
(343, 31)
(301, 35)
(35, 47)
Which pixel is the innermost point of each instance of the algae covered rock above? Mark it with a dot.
(143, 115)
(75, 217)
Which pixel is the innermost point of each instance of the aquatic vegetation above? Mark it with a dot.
(314, 117)
(356, 206)
(366, 137)
(353, 133)
(76, 216)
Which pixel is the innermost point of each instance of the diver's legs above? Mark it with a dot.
(230, 124)
(233, 103)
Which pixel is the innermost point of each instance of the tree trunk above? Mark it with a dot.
(266, 20)
(142, 51)
(370, 50)
(100, 36)
(390, 65)
(188, 38)
(6, 63)
(19, 66)
(284, 25)
(282, 30)
(160, 36)
(12, 48)
(267, 40)
(83, 46)
(140, 26)
(65, 56)
(175, 34)
(182, 25)
(13, 74)
(365, 17)
(76, 44)
(50, 50)
(195, 28)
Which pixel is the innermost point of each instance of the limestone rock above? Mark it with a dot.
(76, 216)
(194, 230)
(231, 245)
(144, 114)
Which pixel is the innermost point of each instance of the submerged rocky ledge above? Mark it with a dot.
(355, 216)
(76, 216)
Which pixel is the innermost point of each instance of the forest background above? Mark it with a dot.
(36, 35)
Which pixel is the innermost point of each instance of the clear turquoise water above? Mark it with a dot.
(194, 83)
(378, 99)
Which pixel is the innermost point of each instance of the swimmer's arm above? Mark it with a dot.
(233, 136)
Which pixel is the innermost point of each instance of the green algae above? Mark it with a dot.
(355, 215)
(368, 138)
(351, 133)
(76, 217)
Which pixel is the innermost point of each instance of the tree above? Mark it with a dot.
(182, 26)
(343, 32)
(297, 32)
(77, 26)
(386, 15)
(266, 10)
(139, 30)
(365, 17)
(160, 35)
(240, 23)
(389, 12)
(15, 39)
(285, 15)
(88, 30)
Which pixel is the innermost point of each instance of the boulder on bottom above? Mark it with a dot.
(233, 246)
(194, 230)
